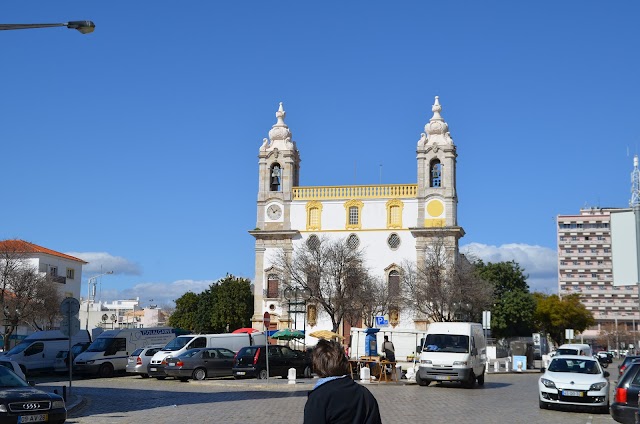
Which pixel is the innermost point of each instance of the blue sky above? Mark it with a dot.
(135, 147)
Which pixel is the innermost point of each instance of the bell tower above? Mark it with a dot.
(437, 195)
(278, 174)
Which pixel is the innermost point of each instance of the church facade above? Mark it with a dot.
(392, 222)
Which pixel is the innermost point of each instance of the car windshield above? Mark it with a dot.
(101, 344)
(578, 366)
(136, 352)
(177, 343)
(447, 343)
(18, 348)
(567, 351)
(9, 379)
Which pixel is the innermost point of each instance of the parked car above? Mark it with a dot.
(574, 380)
(607, 356)
(138, 361)
(200, 364)
(19, 402)
(61, 363)
(13, 366)
(251, 362)
(625, 403)
(625, 363)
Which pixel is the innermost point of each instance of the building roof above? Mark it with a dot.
(24, 247)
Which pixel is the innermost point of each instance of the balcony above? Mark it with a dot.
(387, 191)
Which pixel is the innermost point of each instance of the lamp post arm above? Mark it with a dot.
(85, 27)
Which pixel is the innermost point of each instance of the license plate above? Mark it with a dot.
(171, 364)
(240, 373)
(153, 369)
(574, 393)
(442, 377)
(32, 418)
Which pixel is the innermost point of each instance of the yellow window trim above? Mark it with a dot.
(353, 203)
(391, 203)
(309, 207)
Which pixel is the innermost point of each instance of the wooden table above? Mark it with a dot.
(377, 367)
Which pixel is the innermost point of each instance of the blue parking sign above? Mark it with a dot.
(381, 321)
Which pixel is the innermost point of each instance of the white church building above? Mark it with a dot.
(391, 222)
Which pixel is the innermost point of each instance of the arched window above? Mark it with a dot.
(394, 284)
(435, 174)
(314, 216)
(394, 213)
(273, 282)
(275, 177)
(354, 214)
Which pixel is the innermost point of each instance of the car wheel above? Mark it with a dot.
(106, 370)
(262, 374)
(481, 379)
(471, 381)
(603, 409)
(199, 374)
(144, 375)
(307, 372)
(542, 405)
(421, 381)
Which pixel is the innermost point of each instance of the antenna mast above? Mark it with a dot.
(635, 184)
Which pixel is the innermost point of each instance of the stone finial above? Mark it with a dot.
(436, 125)
(280, 131)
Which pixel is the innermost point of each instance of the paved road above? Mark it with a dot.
(505, 398)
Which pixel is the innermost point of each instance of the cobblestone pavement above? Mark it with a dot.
(505, 398)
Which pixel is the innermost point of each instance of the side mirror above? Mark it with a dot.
(542, 370)
(606, 374)
(474, 351)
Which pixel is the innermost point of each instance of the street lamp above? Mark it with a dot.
(92, 280)
(298, 297)
(85, 27)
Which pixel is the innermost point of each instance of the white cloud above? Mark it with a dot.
(158, 293)
(104, 262)
(540, 263)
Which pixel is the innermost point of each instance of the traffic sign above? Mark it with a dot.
(70, 306)
(266, 319)
(381, 321)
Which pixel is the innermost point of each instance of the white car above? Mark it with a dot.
(574, 380)
(13, 366)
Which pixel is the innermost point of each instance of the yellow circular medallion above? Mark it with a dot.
(435, 208)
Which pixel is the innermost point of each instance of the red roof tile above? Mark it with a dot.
(21, 246)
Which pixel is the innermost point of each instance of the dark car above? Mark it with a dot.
(625, 402)
(61, 363)
(626, 362)
(200, 364)
(21, 403)
(251, 362)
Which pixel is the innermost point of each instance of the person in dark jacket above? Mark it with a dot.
(336, 398)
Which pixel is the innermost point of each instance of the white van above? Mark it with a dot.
(37, 352)
(453, 351)
(110, 351)
(575, 349)
(231, 341)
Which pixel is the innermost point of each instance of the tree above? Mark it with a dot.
(185, 312)
(554, 315)
(27, 297)
(226, 304)
(513, 307)
(334, 273)
(445, 287)
(233, 301)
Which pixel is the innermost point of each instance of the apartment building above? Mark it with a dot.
(586, 265)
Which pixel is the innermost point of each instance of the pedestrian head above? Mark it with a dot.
(386, 338)
(329, 359)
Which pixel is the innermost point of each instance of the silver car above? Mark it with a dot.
(139, 360)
